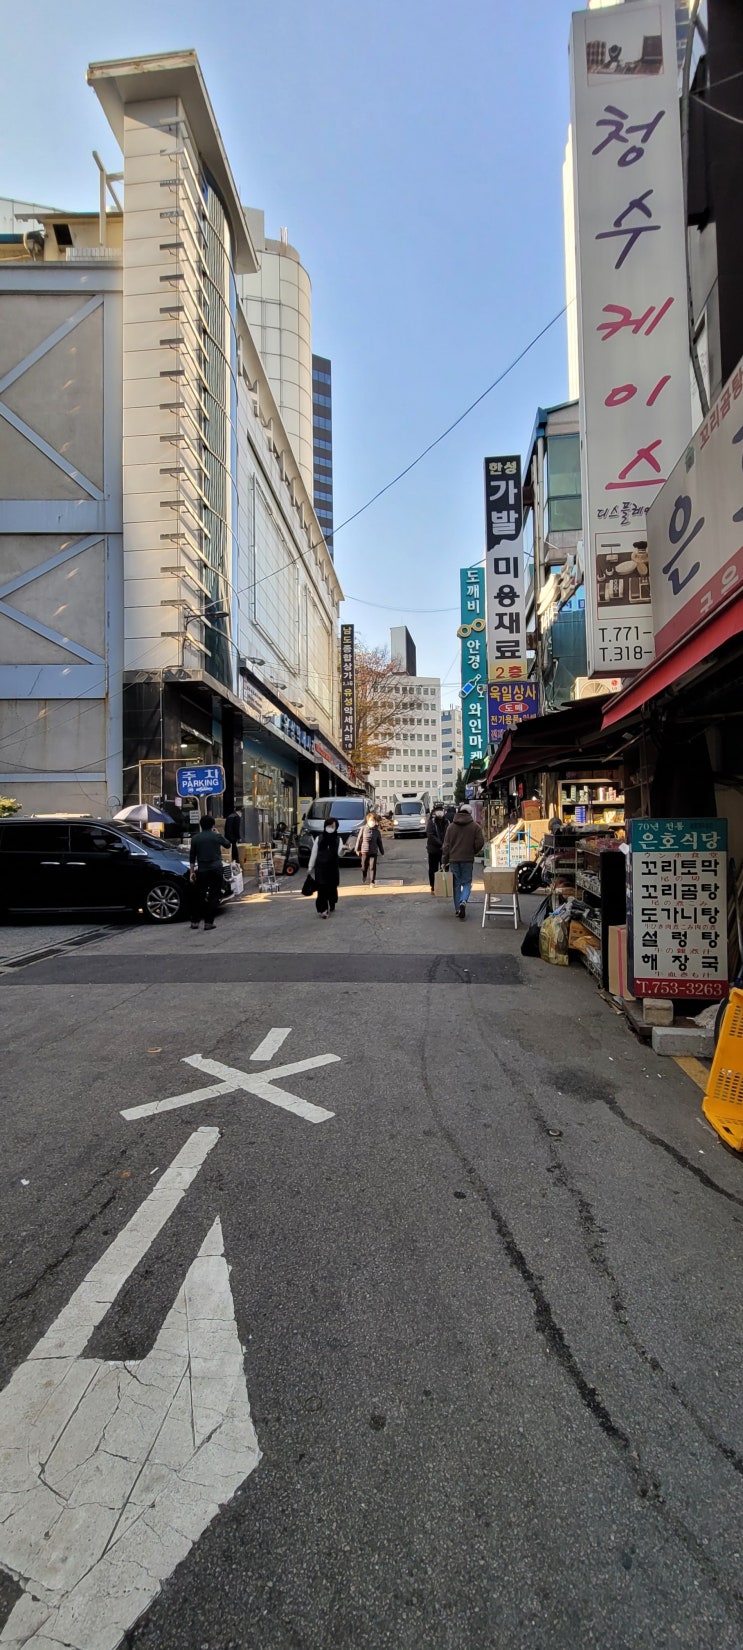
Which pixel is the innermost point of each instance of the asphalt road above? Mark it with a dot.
(489, 1306)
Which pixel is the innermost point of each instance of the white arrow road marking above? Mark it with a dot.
(271, 1043)
(263, 1084)
(109, 1472)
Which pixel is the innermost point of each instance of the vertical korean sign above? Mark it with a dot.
(474, 665)
(678, 908)
(348, 687)
(504, 571)
(635, 398)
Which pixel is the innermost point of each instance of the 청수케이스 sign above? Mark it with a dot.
(635, 398)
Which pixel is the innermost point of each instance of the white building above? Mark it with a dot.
(168, 597)
(414, 760)
(452, 750)
(277, 302)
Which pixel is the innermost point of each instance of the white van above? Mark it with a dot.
(410, 817)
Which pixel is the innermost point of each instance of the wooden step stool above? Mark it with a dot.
(501, 894)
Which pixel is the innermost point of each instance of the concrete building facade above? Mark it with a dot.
(414, 760)
(277, 301)
(452, 750)
(167, 592)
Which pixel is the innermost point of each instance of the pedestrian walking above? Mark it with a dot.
(206, 872)
(435, 833)
(324, 868)
(463, 840)
(368, 845)
(232, 831)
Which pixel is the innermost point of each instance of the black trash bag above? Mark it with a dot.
(309, 886)
(530, 942)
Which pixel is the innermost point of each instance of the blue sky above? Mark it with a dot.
(414, 151)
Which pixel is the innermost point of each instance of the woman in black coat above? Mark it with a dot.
(324, 868)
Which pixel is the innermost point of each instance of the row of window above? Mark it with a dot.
(319, 400)
(320, 423)
(319, 376)
(320, 444)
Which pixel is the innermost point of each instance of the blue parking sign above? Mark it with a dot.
(206, 781)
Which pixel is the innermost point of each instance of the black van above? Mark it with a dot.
(90, 865)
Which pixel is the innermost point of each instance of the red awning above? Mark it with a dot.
(544, 741)
(691, 652)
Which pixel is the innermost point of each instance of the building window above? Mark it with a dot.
(564, 514)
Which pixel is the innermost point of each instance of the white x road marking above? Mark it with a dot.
(263, 1084)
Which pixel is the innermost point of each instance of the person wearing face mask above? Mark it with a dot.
(435, 833)
(324, 868)
(368, 846)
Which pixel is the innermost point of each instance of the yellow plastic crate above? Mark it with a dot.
(723, 1101)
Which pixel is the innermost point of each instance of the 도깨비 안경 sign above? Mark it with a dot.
(635, 397)
(677, 908)
(474, 665)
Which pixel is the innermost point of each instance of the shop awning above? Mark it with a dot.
(693, 651)
(546, 741)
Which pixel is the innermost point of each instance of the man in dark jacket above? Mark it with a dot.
(206, 872)
(232, 829)
(463, 840)
(435, 833)
(368, 845)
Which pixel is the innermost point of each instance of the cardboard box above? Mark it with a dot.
(618, 984)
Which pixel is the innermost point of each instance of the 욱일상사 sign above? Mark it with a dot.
(348, 687)
(474, 665)
(695, 526)
(635, 398)
(206, 781)
(677, 908)
(508, 704)
(504, 570)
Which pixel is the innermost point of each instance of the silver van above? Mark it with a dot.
(350, 812)
(410, 818)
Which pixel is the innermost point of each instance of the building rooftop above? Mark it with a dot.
(130, 80)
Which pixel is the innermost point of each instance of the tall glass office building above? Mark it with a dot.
(322, 445)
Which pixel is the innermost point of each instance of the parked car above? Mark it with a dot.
(350, 812)
(91, 865)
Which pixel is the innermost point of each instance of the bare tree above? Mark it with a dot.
(380, 711)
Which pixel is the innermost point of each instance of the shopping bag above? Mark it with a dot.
(553, 940)
(238, 881)
(309, 886)
(443, 885)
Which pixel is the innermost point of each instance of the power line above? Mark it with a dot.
(450, 427)
(13, 738)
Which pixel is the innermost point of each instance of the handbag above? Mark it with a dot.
(443, 884)
(309, 886)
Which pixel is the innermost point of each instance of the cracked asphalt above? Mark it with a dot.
(490, 1314)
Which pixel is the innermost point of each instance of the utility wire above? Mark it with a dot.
(14, 737)
(450, 427)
